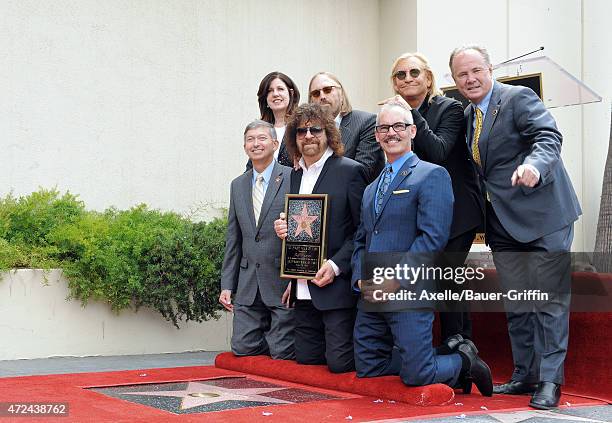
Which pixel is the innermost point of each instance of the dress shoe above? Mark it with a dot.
(478, 371)
(449, 345)
(546, 396)
(515, 387)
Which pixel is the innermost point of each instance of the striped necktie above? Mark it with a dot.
(383, 187)
(258, 195)
(477, 130)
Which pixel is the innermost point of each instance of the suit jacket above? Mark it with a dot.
(252, 249)
(440, 139)
(343, 180)
(357, 133)
(415, 217)
(518, 129)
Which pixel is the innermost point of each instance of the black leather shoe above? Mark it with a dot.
(515, 387)
(478, 372)
(449, 345)
(546, 396)
(464, 383)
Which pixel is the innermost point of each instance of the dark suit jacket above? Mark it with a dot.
(357, 132)
(343, 180)
(440, 139)
(518, 129)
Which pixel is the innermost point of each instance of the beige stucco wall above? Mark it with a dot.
(37, 321)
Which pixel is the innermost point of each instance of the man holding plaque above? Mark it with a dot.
(324, 305)
(262, 325)
(408, 209)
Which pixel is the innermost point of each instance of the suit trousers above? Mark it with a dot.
(456, 322)
(539, 330)
(259, 329)
(324, 336)
(413, 358)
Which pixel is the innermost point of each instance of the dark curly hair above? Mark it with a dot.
(313, 113)
(262, 95)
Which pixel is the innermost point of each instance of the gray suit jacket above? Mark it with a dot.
(518, 129)
(357, 133)
(252, 249)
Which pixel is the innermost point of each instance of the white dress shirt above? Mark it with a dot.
(309, 179)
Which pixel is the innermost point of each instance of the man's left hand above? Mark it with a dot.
(324, 276)
(524, 175)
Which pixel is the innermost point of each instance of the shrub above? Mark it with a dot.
(131, 258)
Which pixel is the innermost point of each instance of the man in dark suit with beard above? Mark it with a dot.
(325, 306)
(356, 126)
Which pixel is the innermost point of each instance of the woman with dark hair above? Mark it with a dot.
(278, 96)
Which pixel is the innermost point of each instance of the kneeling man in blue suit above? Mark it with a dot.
(407, 209)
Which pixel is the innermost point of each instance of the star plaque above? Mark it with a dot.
(304, 247)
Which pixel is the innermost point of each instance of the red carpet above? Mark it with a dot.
(587, 366)
(386, 387)
(88, 406)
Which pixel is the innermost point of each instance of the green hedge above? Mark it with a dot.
(128, 258)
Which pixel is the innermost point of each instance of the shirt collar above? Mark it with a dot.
(397, 165)
(484, 104)
(267, 173)
(318, 163)
(338, 120)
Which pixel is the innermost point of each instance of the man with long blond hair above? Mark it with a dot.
(356, 126)
(440, 139)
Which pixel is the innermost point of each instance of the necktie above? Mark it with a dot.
(475, 147)
(258, 195)
(383, 187)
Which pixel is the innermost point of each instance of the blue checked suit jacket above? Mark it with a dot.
(416, 215)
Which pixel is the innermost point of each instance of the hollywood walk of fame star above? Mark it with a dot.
(303, 222)
(197, 394)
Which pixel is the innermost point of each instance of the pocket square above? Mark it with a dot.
(401, 191)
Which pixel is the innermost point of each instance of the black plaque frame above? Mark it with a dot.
(317, 246)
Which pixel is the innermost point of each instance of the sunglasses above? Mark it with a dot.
(401, 75)
(313, 130)
(326, 90)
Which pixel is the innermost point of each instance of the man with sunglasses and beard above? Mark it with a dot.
(325, 306)
(356, 126)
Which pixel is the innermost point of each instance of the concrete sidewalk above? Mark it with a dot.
(59, 365)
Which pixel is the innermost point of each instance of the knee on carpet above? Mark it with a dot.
(340, 367)
(243, 351)
(412, 378)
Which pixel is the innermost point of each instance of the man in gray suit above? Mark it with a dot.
(531, 207)
(356, 126)
(251, 266)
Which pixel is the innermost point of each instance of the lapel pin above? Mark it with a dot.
(404, 173)
(278, 178)
(494, 112)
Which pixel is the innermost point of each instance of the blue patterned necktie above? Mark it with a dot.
(383, 187)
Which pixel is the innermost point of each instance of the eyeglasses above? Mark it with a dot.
(313, 130)
(401, 75)
(397, 127)
(326, 90)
